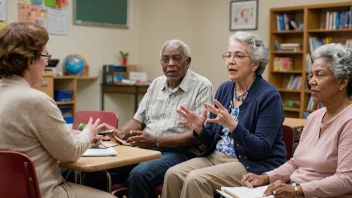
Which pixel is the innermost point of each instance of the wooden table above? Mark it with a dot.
(126, 156)
(294, 122)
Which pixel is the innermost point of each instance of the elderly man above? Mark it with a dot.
(155, 124)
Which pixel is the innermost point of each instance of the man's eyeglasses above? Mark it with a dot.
(176, 59)
(237, 57)
(46, 57)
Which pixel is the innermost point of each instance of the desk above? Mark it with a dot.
(294, 122)
(126, 156)
(123, 89)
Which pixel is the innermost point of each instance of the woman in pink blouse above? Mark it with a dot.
(322, 163)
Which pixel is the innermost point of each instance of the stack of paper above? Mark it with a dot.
(98, 152)
(244, 192)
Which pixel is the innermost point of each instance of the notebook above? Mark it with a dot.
(98, 152)
(123, 142)
(245, 192)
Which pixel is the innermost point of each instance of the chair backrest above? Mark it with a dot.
(18, 177)
(109, 118)
(288, 137)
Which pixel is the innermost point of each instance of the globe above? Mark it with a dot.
(74, 64)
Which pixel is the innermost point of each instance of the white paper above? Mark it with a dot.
(99, 152)
(138, 76)
(57, 21)
(3, 14)
(108, 145)
(246, 192)
(223, 194)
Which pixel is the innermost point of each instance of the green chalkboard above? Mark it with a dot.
(106, 13)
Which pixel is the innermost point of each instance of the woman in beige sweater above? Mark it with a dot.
(30, 121)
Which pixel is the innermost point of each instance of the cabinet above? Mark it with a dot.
(51, 83)
(311, 21)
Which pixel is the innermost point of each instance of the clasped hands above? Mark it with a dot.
(279, 188)
(196, 122)
(136, 138)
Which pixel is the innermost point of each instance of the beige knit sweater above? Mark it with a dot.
(31, 123)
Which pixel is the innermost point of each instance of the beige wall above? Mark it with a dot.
(202, 24)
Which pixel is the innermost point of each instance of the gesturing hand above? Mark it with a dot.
(223, 117)
(93, 127)
(192, 120)
(141, 139)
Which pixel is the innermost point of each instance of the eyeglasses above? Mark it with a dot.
(176, 59)
(46, 57)
(237, 57)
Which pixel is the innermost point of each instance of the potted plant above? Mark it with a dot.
(124, 57)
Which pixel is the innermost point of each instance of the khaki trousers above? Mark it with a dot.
(80, 191)
(202, 176)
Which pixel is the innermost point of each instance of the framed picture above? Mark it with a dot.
(243, 15)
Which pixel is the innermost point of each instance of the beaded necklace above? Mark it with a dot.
(242, 96)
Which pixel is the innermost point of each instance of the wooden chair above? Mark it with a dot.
(109, 118)
(18, 176)
(288, 137)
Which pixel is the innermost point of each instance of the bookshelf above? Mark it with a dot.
(51, 83)
(324, 22)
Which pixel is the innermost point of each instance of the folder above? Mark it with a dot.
(245, 192)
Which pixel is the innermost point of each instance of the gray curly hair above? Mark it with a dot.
(258, 50)
(340, 59)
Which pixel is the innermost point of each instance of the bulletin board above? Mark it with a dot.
(104, 13)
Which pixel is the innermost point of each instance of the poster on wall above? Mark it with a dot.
(51, 14)
(243, 15)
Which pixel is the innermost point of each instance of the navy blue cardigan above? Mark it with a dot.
(258, 136)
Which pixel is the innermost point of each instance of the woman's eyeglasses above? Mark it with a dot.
(237, 57)
(46, 57)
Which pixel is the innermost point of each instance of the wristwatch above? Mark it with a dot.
(296, 190)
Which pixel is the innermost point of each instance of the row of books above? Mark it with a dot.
(315, 42)
(285, 22)
(294, 83)
(293, 47)
(338, 20)
(282, 64)
(307, 83)
(308, 63)
(348, 43)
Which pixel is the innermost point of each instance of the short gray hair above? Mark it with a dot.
(185, 47)
(340, 59)
(258, 50)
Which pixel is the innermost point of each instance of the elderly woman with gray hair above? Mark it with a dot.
(321, 165)
(244, 131)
